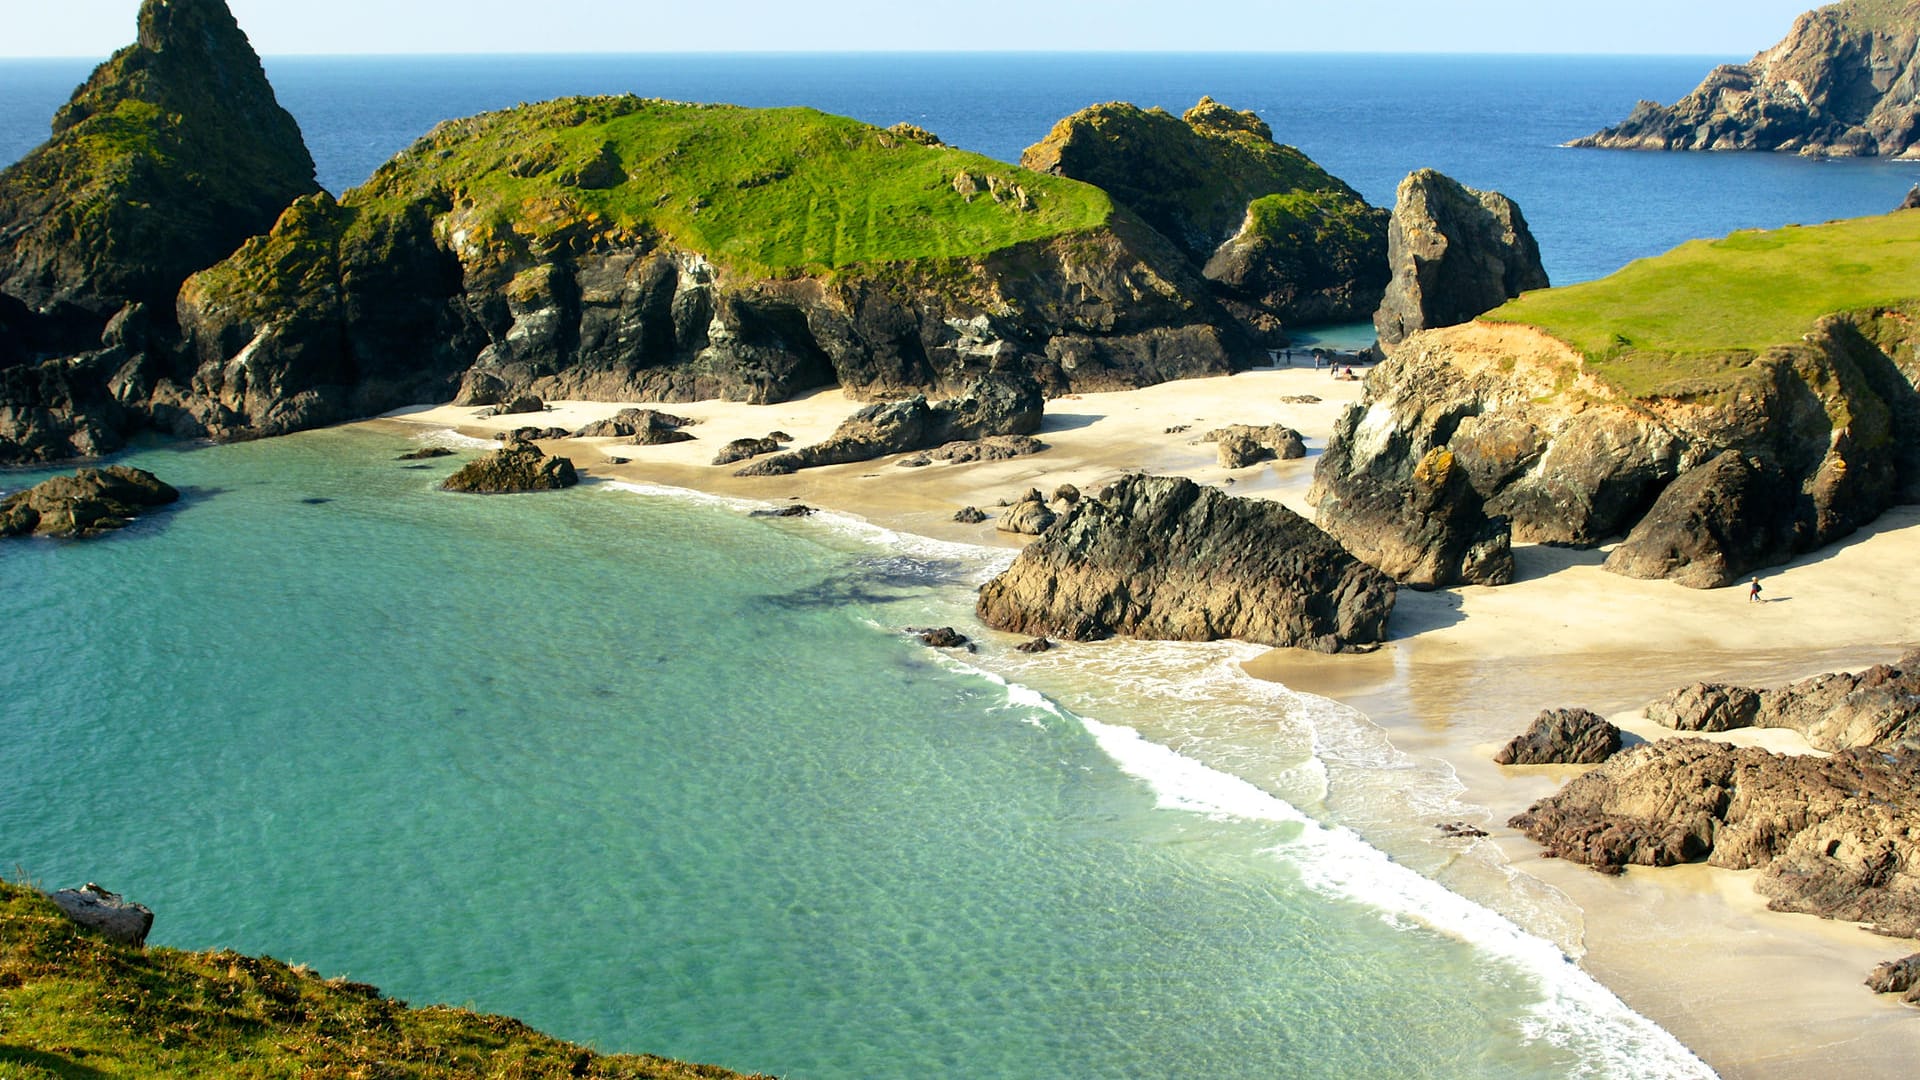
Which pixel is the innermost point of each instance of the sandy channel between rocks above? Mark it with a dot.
(1755, 993)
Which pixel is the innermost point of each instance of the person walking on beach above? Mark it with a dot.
(1753, 592)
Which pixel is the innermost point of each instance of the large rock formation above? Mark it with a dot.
(1454, 254)
(163, 162)
(1164, 558)
(1844, 83)
(1837, 837)
(1800, 445)
(1878, 708)
(1283, 241)
(1428, 529)
(89, 503)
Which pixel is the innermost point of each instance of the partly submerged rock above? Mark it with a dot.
(519, 466)
(1898, 977)
(107, 913)
(1165, 558)
(1454, 254)
(88, 503)
(1562, 737)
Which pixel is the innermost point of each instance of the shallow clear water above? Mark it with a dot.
(653, 773)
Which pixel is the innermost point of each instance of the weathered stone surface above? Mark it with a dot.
(1165, 558)
(1712, 525)
(107, 913)
(1036, 645)
(1454, 254)
(91, 502)
(940, 637)
(630, 424)
(1429, 531)
(520, 466)
(521, 403)
(969, 515)
(1831, 424)
(991, 448)
(1898, 977)
(1912, 201)
(992, 406)
(1029, 515)
(1844, 83)
(1066, 494)
(1281, 240)
(425, 453)
(1242, 445)
(1878, 708)
(744, 449)
(1837, 837)
(1562, 737)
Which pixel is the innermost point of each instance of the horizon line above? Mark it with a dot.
(793, 53)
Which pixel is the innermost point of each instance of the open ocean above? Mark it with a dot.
(654, 774)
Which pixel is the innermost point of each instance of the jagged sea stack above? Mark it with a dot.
(1844, 83)
(1454, 254)
(173, 153)
(1281, 239)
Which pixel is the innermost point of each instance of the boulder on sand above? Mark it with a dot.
(1562, 737)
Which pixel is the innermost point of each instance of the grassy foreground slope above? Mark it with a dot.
(761, 190)
(1690, 320)
(75, 1005)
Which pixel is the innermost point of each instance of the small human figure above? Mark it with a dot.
(1753, 592)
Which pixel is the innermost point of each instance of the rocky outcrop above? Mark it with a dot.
(1562, 737)
(107, 913)
(642, 425)
(1806, 444)
(1028, 515)
(1912, 201)
(1241, 445)
(988, 407)
(170, 155)
(745, 449)
(517, 467)
(1430, 530)
(1164, 558)
(89, 503)
(1836, 837)
(1453, 254)
(1844, 83)
(1878, 708)
(1282, 241)
(1898, 977)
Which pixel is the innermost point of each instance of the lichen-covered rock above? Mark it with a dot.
(1429, 531)
(1562, 737)
(1029, 515)
(1845, 82)
(1837, 837)
(1162, 557)
(1454, 254)
(108, 913)
(89, 503)
(1712, 525)
(1281, 239)
(517, 467)
(989, 407)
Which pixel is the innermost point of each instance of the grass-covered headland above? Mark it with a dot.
(73, 1005)
(1694, 317)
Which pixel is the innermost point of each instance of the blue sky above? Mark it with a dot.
(1734, 28)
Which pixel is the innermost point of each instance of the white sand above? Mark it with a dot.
(1757, 994)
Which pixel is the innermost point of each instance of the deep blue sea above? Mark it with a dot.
(650, 772)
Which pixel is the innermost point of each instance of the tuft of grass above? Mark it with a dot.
(1692, 320)
(73, 1005)
(768, 191)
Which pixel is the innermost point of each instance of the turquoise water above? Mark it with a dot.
(652, 773)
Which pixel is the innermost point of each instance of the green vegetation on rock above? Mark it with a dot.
(766, 191)
(1691, 320)
(73, 1004)
(1877, 16)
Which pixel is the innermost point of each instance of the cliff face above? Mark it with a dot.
(1822, 438)
(1844, 83)
(1281, 239)
(164, 161)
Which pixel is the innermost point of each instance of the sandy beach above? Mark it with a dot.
(1755, 993)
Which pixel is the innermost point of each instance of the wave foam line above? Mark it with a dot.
(1578, 1015)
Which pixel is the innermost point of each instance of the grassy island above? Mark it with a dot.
(763, 190)
(74, 1005)
(1696, 316)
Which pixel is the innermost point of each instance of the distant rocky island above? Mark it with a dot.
(1844, 83)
